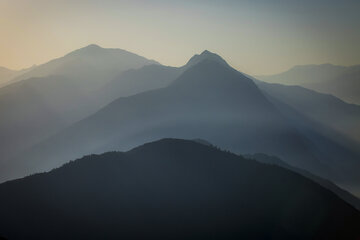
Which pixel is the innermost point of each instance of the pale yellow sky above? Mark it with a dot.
(257, 38)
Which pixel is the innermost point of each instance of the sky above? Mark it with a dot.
(255, 36)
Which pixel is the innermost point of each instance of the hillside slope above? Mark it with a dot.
(172, 189)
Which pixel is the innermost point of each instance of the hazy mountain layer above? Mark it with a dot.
(147, 78)
(6, 75)
(132, 82)
(273, 160)
(92, 65)
(323, 108)
(172, 189)
(209, 100)
(56, 94)
(344, 195)
(343, 82)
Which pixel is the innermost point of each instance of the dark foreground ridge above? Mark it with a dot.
(172, 189)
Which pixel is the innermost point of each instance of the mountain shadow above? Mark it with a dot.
(172, 189)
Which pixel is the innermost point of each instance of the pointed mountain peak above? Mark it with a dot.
(91, 49)
(210, 72)
(205, 55)
(206, 52)
(92, 46)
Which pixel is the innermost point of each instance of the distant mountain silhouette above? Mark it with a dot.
(343, 82)
(6, 75)
(273, 160)
(147, 78)
(134, 81)
(49, 97)
(205, 55)
(209, 100)
(92, 64)
(172, 189)
(346, 196)
(323, 108)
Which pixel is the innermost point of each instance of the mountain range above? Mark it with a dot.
(172, 189)
(54, 95)
(323, 108)
(340, 81)
(206, 98)
(273, 160)
(288, 168)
